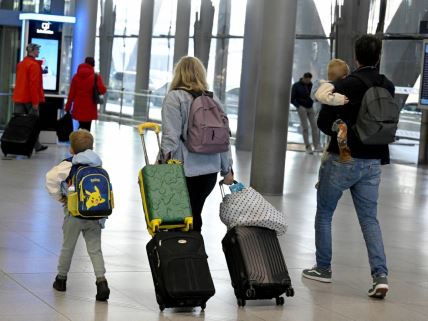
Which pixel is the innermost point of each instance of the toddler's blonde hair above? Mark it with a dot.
(337, 69)
(81, 140)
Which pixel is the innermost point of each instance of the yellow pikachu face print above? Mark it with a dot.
(94, 198)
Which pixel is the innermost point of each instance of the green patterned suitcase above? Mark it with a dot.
(164, 192)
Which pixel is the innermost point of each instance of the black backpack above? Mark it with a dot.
(378, 117)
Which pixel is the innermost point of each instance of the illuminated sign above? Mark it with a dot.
(45, 29)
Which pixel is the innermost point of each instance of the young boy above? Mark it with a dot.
(336, 69)
(81, 145)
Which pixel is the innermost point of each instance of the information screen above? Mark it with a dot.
(49, 56)
(48, 35)
(424, 83)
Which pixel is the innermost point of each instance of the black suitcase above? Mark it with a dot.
(20, 135)
(64, 127)
(256, 264)
(180, 269)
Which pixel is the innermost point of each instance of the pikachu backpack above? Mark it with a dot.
(90, 193)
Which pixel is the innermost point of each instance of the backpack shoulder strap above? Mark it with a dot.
(197, 94)
(380, 82)
(73, 171)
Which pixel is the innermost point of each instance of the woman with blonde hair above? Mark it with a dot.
(200, 169)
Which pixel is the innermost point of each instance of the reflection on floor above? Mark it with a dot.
(30, 241)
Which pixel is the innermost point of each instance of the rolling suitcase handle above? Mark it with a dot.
(156, 128)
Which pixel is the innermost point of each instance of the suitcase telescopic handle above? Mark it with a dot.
(141, 130)
(147, 125)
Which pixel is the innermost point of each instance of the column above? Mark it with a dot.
(352, 24)
(141, 110)
(182, 26)
(222, 50)
(423, 141)
(106, 32)
(203, 31)
(84, 32)
(250, 67)
(273, 91)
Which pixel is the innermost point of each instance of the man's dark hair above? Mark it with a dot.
(90, 61)
(307, 75)
(367, 50)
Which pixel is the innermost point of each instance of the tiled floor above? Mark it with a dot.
(30, 241)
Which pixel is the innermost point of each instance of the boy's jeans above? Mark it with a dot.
(91, 231)
(362, 177)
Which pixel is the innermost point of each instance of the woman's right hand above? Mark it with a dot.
(228, 179)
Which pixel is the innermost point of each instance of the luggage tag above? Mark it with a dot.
(237, 187)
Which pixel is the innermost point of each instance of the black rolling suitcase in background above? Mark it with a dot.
(180, 271)
(256, 264)
(64, 127)
(20, 135)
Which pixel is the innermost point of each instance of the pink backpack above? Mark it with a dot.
(208, 127)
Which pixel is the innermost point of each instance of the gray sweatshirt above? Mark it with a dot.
(175, 114)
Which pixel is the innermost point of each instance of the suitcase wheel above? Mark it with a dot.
(203, 306)
(289, 292)
(280, 300)
(241, 302)
(161, 307)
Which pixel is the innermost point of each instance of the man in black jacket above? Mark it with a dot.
(361, 176)
(301, 99)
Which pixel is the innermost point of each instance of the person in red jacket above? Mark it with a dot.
(80, 99)
(28, 92)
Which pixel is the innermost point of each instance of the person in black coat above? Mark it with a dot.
(301, 99)
(361, 176)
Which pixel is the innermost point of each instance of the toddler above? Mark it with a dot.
(81, 145)
(336, 69)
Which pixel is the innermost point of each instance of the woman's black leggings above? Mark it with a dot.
(199, 188)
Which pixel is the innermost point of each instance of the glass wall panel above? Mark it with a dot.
(404, 15)
(325, 9)
(373, 16)
(237, 20)
(122, 78)
(314, 17)
(127, 17)
(165, 17)
(161, 69)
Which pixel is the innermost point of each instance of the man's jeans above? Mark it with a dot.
(362, 177)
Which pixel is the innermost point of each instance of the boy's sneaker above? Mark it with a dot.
(379, 288)
(60, 284)
(318, 274)
(103, 292)
(309, 150)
